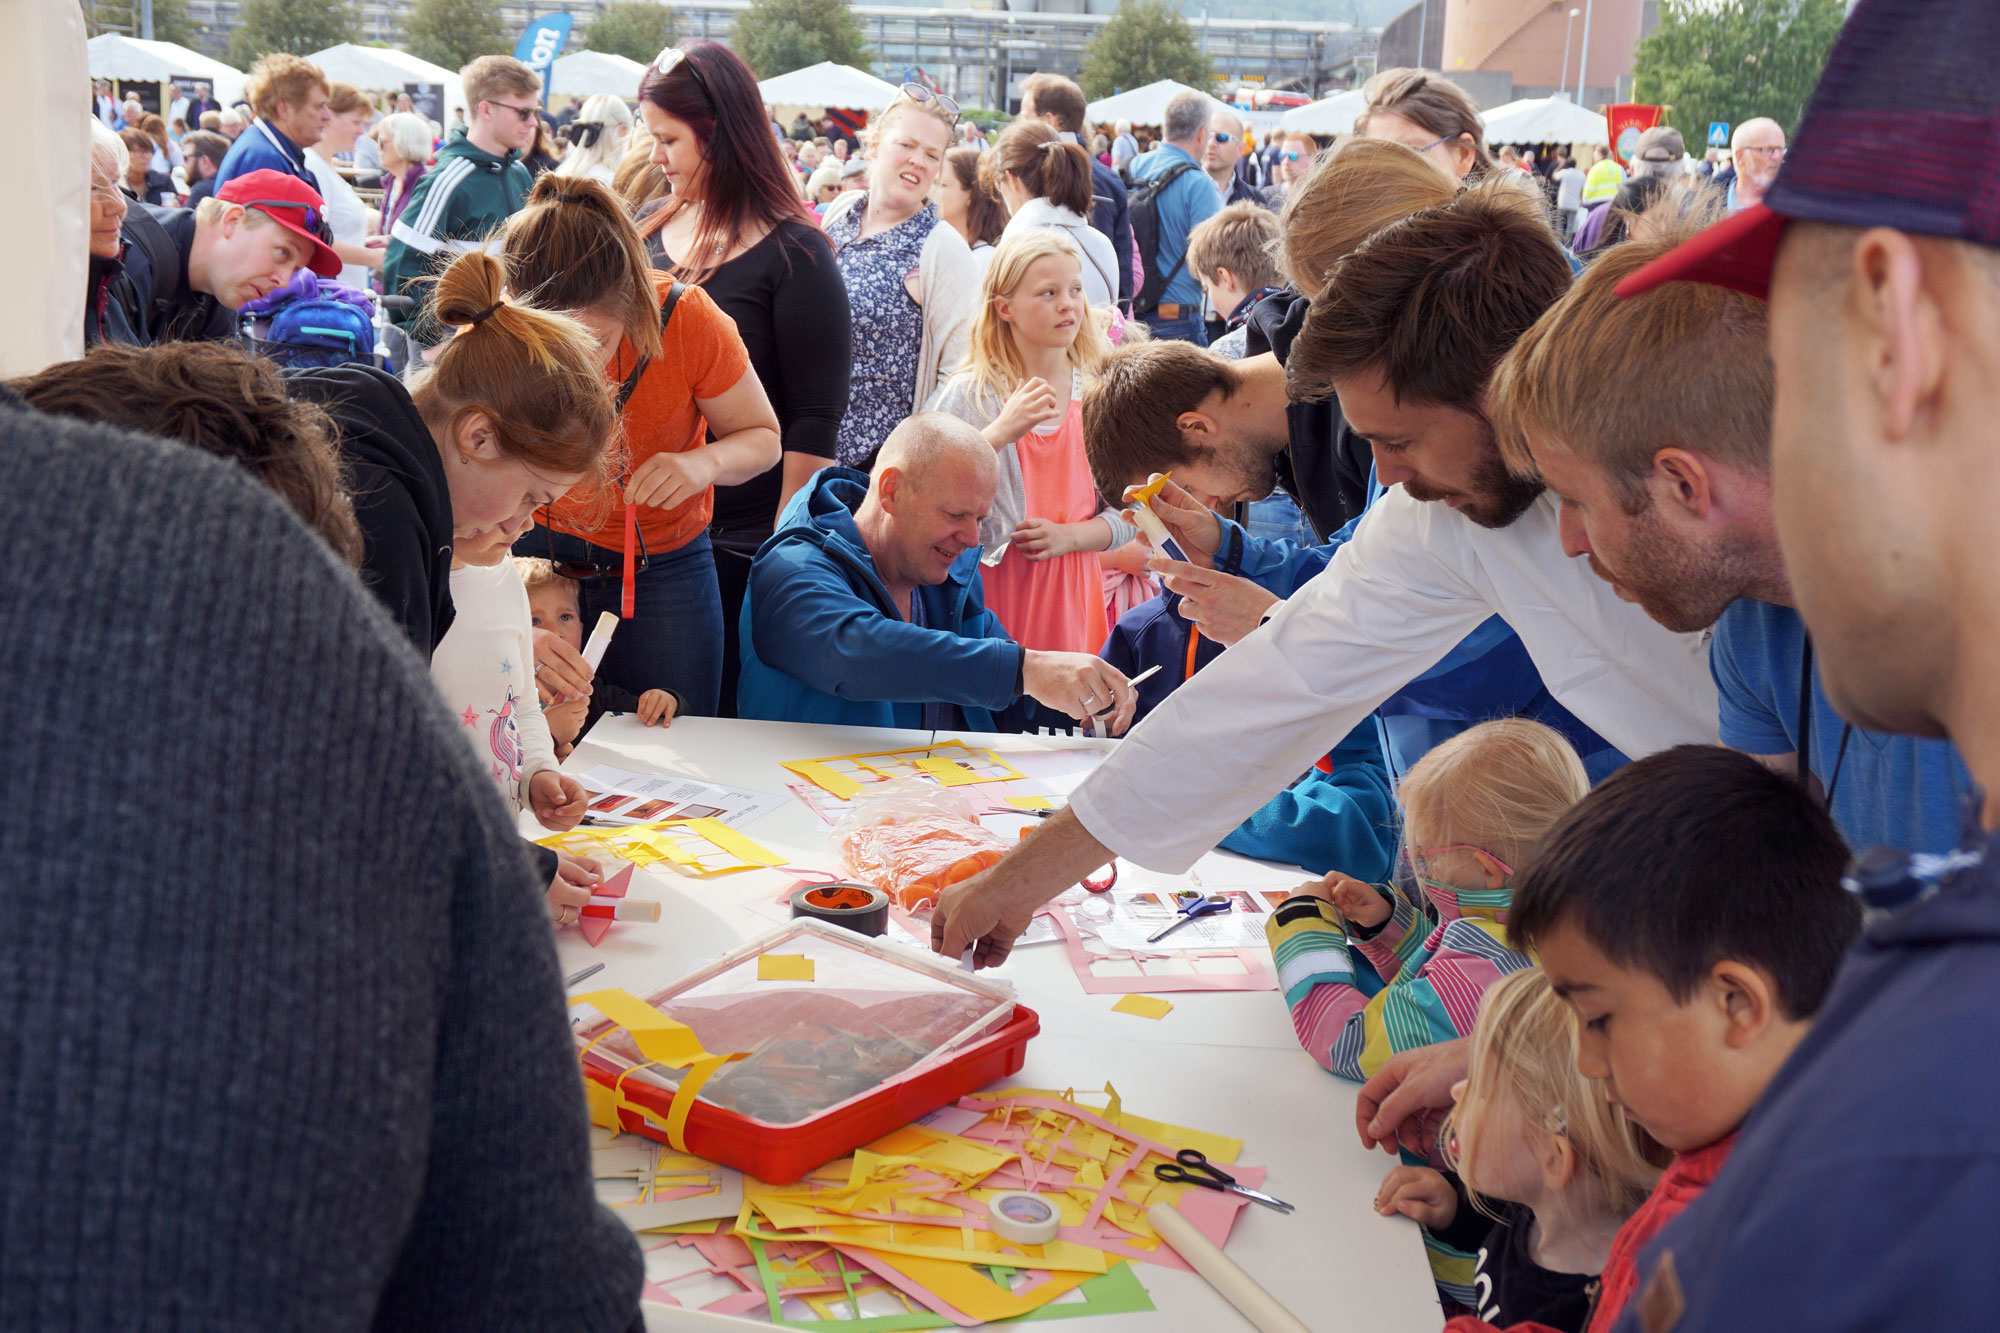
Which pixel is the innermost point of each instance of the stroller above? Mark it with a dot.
(313, 321)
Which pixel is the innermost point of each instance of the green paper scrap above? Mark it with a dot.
(884, 1323)
(1117, 1290)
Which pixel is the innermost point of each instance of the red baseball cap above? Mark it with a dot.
(293, 205)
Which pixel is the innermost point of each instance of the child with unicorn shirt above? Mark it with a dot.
(1034, 340)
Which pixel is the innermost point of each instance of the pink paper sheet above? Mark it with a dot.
(1256, 974)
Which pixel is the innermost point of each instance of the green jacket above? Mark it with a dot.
(457, 206)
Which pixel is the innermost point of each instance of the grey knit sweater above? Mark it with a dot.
(282, 1042)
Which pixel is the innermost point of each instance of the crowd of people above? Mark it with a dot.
(1568, 568)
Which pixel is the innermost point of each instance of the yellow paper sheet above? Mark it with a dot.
(784, 967)
(1031, 802)
(1145, 1006)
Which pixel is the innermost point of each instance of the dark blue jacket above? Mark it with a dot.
(822, 642)
(1342, 817)
(1860, 1195)
(262, 147)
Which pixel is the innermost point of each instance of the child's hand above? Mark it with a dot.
(557, 800)
(1359, 903)
(1046, 539)
(1419, 1193)
(575, 877)
(1031, 403)
(656, 708)
(566, 720)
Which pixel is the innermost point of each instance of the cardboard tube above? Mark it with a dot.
(1237, 1287)
(600, 640)
(623, 909)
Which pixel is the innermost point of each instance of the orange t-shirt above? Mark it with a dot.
(701, 356)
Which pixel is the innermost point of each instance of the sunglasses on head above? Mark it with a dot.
(672, 58)
(917, 92)
(314, 223)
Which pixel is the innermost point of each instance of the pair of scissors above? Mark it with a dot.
(1194, 1169)
(1192, 905)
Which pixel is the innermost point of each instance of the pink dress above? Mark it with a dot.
(1052, 605)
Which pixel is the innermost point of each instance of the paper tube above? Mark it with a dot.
(1235, 1286)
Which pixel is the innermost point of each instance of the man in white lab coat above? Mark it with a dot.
(1407, 338)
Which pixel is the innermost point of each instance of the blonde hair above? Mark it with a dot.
(611, 115)
(1239, 238)
(110, 159)
(904, 102)
(1524, 1049)
(210, 210)
(1353, 191)
(537, 573)
(637, 181)
(281, 78)
(993, 359)
(489, 76)
(1498, 787)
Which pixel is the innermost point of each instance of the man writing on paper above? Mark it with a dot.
(1407, 335)
(864, 607)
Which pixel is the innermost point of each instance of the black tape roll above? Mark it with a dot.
(861, 908)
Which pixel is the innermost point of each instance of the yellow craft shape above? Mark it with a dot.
(784, 967)
(1031, 803)
(1145, 1006)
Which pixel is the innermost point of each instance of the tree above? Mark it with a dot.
(298, 26)
(1733, 60)
(639, 29)
(1145, 41)
(778, 36)
(454, 33)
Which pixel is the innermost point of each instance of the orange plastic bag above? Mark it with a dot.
(910, 839)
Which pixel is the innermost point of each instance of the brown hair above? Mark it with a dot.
(1238, 238)
(212, 120)
(281, 78)
(342, 98)
(155, 129)
(1132, 410)
(573, 248)
(218, 399)
(1614, 382)
(985, 215)
(205, 144)
(1056, 96)
(1047, 165)
(1434, 301)
(535, 374)
(489, 76)
(1431, 101)
(138, 149)
(1355, 190)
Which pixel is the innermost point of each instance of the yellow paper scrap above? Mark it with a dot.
(784, 967)
(1091, 1176)
(660, 1039)
(1145, 1006)
(1031, 802)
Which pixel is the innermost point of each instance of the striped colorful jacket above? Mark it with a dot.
(1434, 979)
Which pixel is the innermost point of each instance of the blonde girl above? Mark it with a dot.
(1034, 340)
(597, 139)
(1545, 1169)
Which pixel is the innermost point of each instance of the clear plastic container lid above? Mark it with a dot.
(870, 1014)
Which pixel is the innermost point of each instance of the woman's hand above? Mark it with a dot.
(561, 674)
(1032, 402)
(665, 481)
(575, 877)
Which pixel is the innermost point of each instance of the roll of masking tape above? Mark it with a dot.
(861, 908)
(1025, 1219)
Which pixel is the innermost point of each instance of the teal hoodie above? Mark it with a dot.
(457, 206)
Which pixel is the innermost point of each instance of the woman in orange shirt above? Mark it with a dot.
(682, 376)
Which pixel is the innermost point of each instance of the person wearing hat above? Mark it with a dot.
(188, 270)
(1658, 165)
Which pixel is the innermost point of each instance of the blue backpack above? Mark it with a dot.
(316, 331)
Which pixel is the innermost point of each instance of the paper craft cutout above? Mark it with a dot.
(1031, 802)
(647, 1186)
(1145, 1006)
(949, 763)
(595, 928)
(784, 967)
(699, 847)
(1133, 973)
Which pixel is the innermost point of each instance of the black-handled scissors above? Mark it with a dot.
(1194, 1169)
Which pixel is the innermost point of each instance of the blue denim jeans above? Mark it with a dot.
(674, 638)
(1276, 517)
(1187, 328)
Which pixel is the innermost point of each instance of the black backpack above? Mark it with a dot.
(1143, 198)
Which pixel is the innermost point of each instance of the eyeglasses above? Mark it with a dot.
(917, 92)
(672, 58)
(1436, 143)
(526, 113)
(1419, 855)
(1778, 152)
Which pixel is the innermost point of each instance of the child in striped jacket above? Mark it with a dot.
(1473, 808)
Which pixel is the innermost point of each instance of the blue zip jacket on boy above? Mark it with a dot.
(822, 642)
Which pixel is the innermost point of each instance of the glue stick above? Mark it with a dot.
(600, 640)
(1150, 526)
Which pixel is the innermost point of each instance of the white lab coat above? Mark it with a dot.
(1415, 580)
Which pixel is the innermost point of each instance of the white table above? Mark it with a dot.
(1223, 1061)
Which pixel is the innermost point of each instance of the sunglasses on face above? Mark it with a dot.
(1290, 155)
(526, 113)
(917, 92)
(1224, 136)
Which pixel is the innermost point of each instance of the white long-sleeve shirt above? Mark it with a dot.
(1415, 580)
(485, 668)
(1100, 261)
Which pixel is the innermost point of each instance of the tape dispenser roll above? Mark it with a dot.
(861, 908)
(1025, 1219)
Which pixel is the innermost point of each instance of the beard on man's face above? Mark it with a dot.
(1496, 497)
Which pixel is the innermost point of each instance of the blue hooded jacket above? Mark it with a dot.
(822, 642)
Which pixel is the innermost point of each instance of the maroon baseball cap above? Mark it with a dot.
(1903, 131)
(293, 205)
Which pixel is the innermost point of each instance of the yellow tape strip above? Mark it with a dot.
(690, 1089)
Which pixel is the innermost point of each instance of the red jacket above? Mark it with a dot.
(1680, 1185)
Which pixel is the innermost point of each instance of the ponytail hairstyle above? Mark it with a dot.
(1047, 165)
(535, 374)
(991, 356)
(596, 136)
(744, 182)
(1434, 104)
(985, 215)
(573, 248)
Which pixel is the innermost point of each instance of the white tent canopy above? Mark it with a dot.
(1147, 105)
(1329, 115)
(141, 61)
(1545, 120)
(384, 69)
(582, 73)
(828, 85)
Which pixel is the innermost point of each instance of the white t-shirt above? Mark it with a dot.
(1100, 261)
(485, 668)
(1415, 579)
(1569, 187)
(345, 214)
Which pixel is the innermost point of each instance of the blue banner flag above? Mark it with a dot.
(541, 42)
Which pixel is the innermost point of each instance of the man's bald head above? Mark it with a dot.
(934, 445)
(934, 482)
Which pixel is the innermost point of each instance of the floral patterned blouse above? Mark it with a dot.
(888, 326)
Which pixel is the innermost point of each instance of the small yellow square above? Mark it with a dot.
(1145, 1006)
(784, 967)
